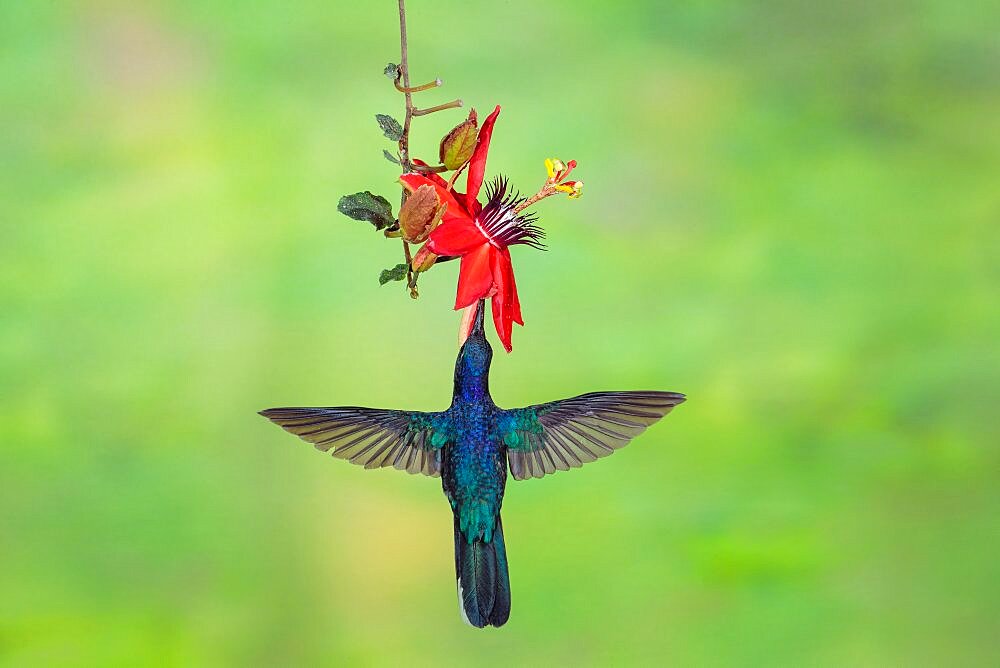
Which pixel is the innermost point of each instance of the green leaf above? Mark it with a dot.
(397, 273)
(365, 206)
(390, 126)
(390, 157)
(392, 71)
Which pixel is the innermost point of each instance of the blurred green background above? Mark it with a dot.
(790, 215)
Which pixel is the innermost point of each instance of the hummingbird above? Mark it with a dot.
(471, 446)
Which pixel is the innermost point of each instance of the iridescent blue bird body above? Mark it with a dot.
(470, 446)
(474, 470)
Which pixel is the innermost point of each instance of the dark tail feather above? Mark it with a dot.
(501, 604)
(483, 582)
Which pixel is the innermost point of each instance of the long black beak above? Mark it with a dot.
(477, 326)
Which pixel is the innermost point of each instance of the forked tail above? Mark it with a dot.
(483, 582)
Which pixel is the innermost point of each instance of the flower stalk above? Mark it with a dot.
(556, 183)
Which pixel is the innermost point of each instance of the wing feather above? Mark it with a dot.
(369, 437)
(560, 435)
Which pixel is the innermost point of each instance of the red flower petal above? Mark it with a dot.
(434, 177)
(502, 323)
(503, 276)
(477, 163)
(455, 237)
(472, 211)
(506, 307)
(474, 277)
(515, 303)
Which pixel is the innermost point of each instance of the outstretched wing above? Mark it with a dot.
(371, 437)
(560, 435)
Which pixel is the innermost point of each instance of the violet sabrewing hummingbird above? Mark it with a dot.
(470, 446)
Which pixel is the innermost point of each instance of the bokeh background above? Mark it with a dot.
(790, 215)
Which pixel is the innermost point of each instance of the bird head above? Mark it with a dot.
(476, 354)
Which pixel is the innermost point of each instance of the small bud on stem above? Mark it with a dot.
(423, 260)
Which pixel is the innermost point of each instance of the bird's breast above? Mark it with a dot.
(474, 473)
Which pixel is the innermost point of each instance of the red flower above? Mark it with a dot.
(481, 235)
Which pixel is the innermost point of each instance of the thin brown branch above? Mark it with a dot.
(417, 89)
(428, 169)
(404, 141)
(441, 107)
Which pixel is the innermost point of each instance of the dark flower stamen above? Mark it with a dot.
(501, 226)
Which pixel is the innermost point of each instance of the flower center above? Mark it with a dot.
(499, 223)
